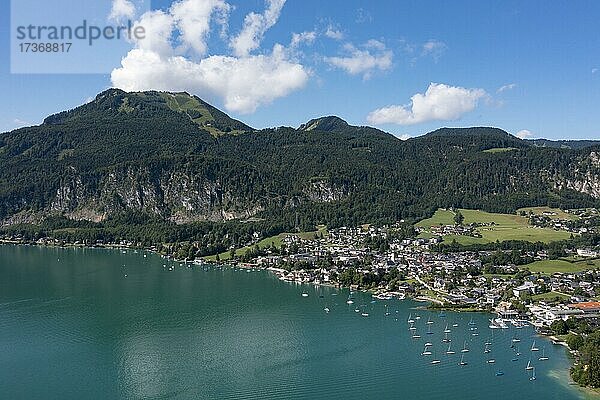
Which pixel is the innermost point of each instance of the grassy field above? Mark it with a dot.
(506, 227)
(268, 242)
(551, 266)
(441, 217)
(560, 214)
(499, 150)
(550, 296)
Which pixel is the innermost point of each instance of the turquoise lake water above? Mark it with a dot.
(102, 324)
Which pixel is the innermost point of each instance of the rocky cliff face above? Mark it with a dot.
(179, 196)
(584, 176)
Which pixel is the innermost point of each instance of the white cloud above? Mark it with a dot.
(193, 21)
(158, 28)
(373, 55)
(524, 134)
(243, 82)
(594, 70)
(255, 26)
(304, 37)
(439, 102)
(434, 48)
(406, 136)
(504, 88)
(333, 33)
(122, 9)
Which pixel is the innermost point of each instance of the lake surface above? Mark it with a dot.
(101, 324)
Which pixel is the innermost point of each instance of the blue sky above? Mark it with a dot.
(407, 67)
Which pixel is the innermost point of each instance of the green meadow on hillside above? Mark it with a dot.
(501, 227)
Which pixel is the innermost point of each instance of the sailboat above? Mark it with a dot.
(446, 339)
(435, 360)
(471, 322)
(450, 351)
(415, 335)
(410, 319)
(462, 360)
(426, 351)
(543, 357)
(447, 330)
(529, 366)
(516, 339)
(486, 349)
(491, 361)
(465, 349)
(429, 321)
(532, 375)
(455, 325)
(533, 348)
(429, 329)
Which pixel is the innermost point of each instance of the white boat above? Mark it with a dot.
(415, 336)
(450, 351)
(435, 361)
(426, 351)
(543, 357)
(304, 294)
(462, 360)
(365, 314)
(491, 361)
(429, 321)
(532, 375)
(410, 319)
(455, 325)
(486, 349)
(447, 330)
(533, 348)
(349, 302)
(326, 309)
(428, 344)
(465, 349)
(529, 366)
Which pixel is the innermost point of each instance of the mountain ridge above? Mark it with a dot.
(174, 158)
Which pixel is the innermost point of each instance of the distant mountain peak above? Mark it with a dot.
(326, 124)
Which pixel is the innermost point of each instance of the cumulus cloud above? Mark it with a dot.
(439, 102)
(193, 21)
(255, 26)
(333, 33)
(524, 134)
(371, 56)
(504, 88)
(164, 59)
(434, 48)
(122, 9)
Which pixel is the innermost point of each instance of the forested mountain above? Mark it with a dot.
(171, 160)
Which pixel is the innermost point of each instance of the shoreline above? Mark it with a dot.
(593, 392)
